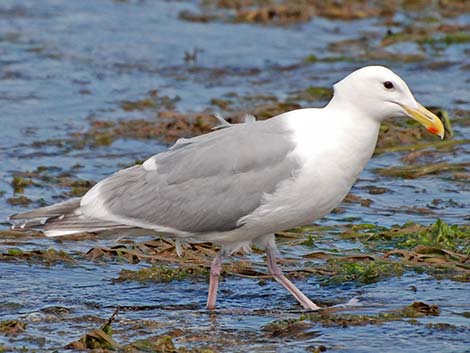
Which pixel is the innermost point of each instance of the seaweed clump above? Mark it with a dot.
(12, 327)
(162, 274)
(100, 338)
(47, 257)
(335, 318)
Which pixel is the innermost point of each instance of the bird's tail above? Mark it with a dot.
(62, 218)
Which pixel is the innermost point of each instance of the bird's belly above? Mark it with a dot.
(308, 205)
(297, 201)
(300, 201)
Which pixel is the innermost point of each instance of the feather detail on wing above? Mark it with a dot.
(205, 184)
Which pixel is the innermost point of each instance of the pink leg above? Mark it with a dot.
(276, 272)
(216, 267)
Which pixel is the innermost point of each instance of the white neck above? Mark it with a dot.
(338, 130)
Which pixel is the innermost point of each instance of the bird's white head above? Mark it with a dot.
(379, 93)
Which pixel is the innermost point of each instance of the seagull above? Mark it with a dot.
(240, 184)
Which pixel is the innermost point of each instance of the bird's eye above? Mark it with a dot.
(388, 85)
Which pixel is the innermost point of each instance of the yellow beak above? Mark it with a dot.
(429, 120)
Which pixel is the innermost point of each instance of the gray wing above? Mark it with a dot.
(206, 183)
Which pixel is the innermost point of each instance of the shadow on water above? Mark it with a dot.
(76, 78)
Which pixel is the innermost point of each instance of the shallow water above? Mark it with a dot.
(63, 64)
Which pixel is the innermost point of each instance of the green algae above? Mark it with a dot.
(19, 201)
(47, 257)
(438, 144)
(44, 176)
(8, 233)
(158, 344)
(162, 273)
(410, 235)
(19, 183)
(288, 328)
(104, 139)
(95, 339)
(221, 103)
(80, 187)
(440, 250)
(428, 34)
(310, 242)
(332, 317)
(311, 59)
(311, 228)
(269, 110)
(447, 39)
(329, 59)
(344, 267)
(167, 126)
(15, 252)
(152, 102)
(440, 235)
(376, 190)
(413, 311)
(191, 16)
(161, 344)
(396, 37)
(12, 327)
(417, 171)
(419, 309)
(351, 198)
(443, 115)
(99, 339)
(312, 94)
(360, 270)
(288, 12)
(322, 93)
(145, 103)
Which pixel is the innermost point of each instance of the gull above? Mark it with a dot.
(240, 184)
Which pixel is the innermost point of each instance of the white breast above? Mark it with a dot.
(333, 151)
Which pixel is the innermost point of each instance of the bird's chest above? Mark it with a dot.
(328, 176)
(320, 185)
(323, 187)
(330, 161)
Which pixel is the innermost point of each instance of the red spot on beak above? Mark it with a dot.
(433, 130)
